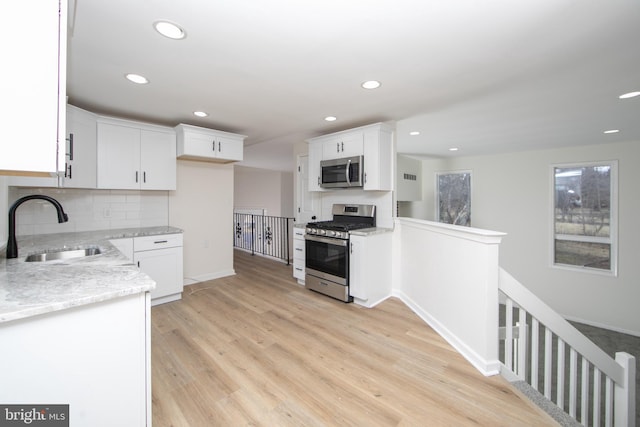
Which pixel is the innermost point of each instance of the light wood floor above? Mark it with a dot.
(257, 349)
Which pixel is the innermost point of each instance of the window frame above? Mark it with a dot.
(612, 240)
(437, 193)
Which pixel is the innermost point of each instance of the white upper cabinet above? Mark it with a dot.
(373, 142)
(378, 159)
(81, 149)
(197, 143)
(347, 144)
(33, 85)
(135, 156)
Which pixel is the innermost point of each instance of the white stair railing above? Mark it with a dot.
(537, 341)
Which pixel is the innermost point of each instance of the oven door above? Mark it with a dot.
(327, 258)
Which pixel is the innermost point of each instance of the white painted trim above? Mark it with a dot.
(468, 233)
(486, 367)
(211, 276)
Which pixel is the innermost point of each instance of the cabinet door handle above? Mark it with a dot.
(342, 145)
(318, 180)
(136, 176)
(351, 247)
(66, 168)
(159, 241)
(365, 177)
(299, 249)
(69, 171)
(138, 264)
(213, 148)
(337, 147)
(219, 147)
(70, 153)
(144, 177)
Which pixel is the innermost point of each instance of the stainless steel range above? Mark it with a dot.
(327, 249)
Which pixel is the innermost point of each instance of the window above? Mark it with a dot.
(454, 198)
(584, 220)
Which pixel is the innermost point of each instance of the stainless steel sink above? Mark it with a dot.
(63, 254)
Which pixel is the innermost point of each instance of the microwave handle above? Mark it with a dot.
(346, 172)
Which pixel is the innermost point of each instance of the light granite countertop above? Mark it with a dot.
(32, 288)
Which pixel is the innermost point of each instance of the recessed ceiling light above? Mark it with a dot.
(137, 78)
(612, 131)
(170, 30)
(453, 149)
(414, 133)
(200, 114)
(331, 118)
(629, 95)
(371, 84)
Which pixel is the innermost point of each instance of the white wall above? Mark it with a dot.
(512, 193)
(264, 189)
(202, 206)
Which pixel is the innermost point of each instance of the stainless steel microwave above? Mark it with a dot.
(347, 172)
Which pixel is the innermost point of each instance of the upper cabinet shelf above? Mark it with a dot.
(197, 143)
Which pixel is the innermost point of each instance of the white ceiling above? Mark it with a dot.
(485, 76)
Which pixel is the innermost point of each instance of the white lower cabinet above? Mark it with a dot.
(161, 258)
(96, 358)
(370, 268)
(298, 254)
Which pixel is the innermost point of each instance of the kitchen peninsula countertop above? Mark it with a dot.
(370, 231)
(32, 288)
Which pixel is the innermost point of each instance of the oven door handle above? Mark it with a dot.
(327, 240)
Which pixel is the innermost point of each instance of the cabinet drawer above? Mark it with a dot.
(298, 248)
(298, 233)
(148, 243)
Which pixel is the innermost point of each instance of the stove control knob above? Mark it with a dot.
(331, 233)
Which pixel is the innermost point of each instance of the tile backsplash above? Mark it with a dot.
(89, 210)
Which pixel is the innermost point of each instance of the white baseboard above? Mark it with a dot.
(210, 276)
(486, 367)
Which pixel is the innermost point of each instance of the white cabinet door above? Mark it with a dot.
(344, 145)
(315, 157)
(118, 157)
(95, 358)
(81, 149)
(33, 85)
(229, 148)
(370, 268)
(378, 160)
(357, 265)
(308, 202)
(157, 160)
(164, 266)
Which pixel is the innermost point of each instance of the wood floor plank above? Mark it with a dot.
(258, 349)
